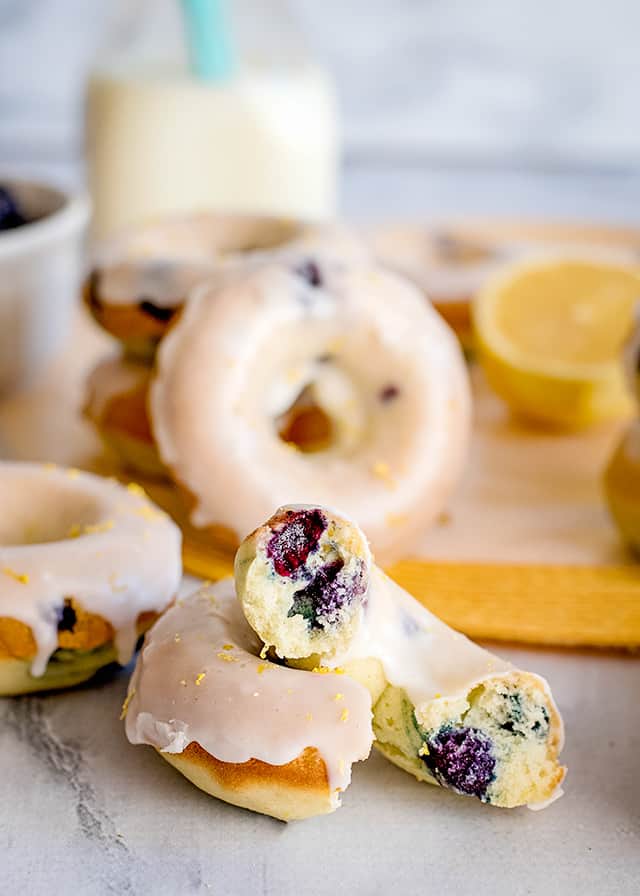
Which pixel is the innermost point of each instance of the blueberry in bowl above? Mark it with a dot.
(11, 213)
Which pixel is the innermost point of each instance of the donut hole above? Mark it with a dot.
(50, 513)
(306, 425)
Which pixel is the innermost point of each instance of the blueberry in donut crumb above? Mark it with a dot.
(10, 213)
(329, 592)
(388, 393)
(67, 617)
(310, 272)
(163, 315)
(295, 538)
(462, 759)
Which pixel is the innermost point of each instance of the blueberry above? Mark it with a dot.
(295, 537)
(310, 272)
(164, 315)
(462, 759)
(10, 214)
(330, 590)
(388, 393)
(67, 617)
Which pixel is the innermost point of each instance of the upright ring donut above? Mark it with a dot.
(116, 403)
(376, 375)
(86, 565)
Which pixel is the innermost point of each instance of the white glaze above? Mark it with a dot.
(164, 260)
(241, 353)
(188, 686)
(124, 561)
(447, 271)
(163, 283)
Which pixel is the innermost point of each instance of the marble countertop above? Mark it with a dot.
(85, 812)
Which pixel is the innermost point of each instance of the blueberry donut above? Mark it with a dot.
(313, 380)
(139, 282)
(445, 710)
(116, 403)
(449, 265)
(302, 579)
(256, 734)
(622, 476)
(86, 566)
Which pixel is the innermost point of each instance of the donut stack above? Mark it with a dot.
(297, 371)
(265, 690)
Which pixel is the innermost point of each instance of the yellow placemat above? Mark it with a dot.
(552, 605)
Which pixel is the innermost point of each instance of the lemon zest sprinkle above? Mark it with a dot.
(125, 705)
(382, 470)
(199, 677)
(21, 577)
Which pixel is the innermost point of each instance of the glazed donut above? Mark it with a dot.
(139, 282)
(276, 740)
(622, 476)
(86, 565)
(313, 381)
(449, 266)
(447, 711)
(116, 404)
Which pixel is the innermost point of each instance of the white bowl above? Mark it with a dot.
(40, 269)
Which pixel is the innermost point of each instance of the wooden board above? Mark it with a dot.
(526, 551)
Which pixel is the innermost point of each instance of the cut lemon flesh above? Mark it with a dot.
(550, 335)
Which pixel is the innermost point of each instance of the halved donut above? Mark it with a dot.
(445, 710)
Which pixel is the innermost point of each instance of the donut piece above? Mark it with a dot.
(262, 736)
(445, 710)
(139, 281)
(302, 579)
(86, 565)
(116, 404)
(454, 714)
(357, 346)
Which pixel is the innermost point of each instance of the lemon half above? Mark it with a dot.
(550, 333)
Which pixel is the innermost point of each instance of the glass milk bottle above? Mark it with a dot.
(170, 129)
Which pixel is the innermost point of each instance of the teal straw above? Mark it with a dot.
(210, 47)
